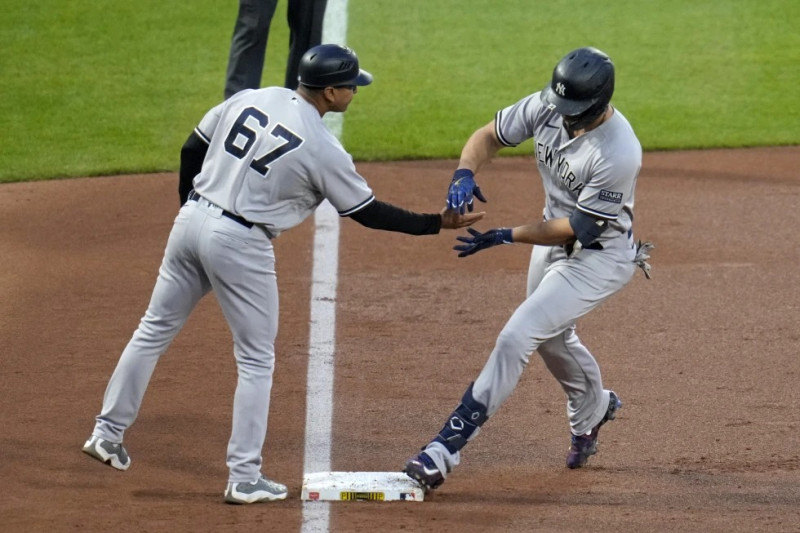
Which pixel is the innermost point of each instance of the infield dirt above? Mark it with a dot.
(704, 356)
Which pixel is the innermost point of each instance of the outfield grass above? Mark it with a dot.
(720, 73)
(112, 87)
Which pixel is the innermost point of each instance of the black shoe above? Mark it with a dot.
(583, 446)
(423, 470)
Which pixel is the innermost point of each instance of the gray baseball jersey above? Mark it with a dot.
(595, 172)
(285, 162)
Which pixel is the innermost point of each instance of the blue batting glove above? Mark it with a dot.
(461, 192)
(480, 241)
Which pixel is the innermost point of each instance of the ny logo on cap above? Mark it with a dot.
(560, 89)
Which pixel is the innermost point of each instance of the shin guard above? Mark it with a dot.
(463, 424)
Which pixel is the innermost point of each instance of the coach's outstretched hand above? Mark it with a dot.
(462, 189)
(480, 241)
(453, 220)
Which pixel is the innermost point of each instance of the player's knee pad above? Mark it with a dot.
(463, 424)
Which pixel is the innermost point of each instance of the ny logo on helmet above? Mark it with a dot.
(560, 89)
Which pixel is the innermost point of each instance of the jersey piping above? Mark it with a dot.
(203, 136)
(358, 207)
(594, 212)
(497, 120)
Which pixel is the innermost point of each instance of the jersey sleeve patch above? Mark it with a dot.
(610, 196)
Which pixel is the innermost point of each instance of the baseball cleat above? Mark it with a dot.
(584, 446)
(423, 470)
(110, 453)
(260, 490)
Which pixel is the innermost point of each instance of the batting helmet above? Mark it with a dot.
(331, 65)
(582, 84)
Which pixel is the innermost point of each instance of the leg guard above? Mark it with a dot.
(463, 424)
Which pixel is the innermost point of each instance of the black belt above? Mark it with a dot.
(569, 247)
(593, 246)
(236, 218)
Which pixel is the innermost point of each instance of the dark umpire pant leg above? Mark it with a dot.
(249, 45)
(305, 18)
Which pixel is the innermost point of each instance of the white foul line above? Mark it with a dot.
(322, 334)
(322, 343)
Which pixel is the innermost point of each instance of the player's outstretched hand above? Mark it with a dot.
(453, 220)
(480, 241)
(461, 192)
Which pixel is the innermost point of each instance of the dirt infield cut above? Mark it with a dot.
(704, 357)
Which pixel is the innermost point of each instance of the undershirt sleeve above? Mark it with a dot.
(385, 216)
(192, 155)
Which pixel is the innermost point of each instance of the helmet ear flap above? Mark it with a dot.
(584, 119)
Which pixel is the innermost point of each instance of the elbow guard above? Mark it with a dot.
(586, 227)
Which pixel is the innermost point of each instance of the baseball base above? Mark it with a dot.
(361, 486)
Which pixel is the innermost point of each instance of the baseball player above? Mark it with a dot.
(257, 165)
(589, 158)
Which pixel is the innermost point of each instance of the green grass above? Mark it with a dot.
(690, 74)
(91, 88)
